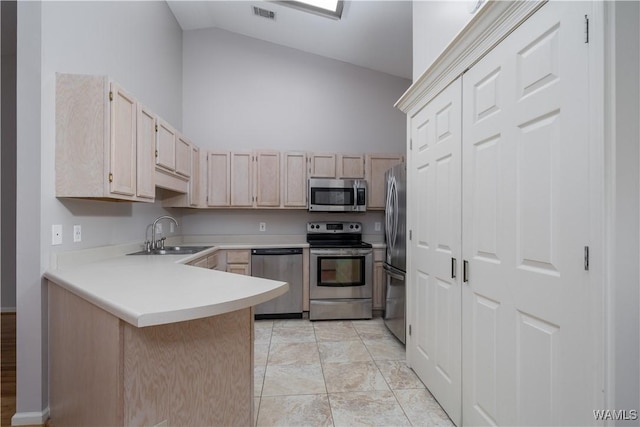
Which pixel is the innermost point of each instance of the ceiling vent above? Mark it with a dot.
(264, 13)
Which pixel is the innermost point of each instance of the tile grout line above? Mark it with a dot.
(324, 379)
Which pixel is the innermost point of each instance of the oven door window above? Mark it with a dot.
(332, 196)
(341, 271)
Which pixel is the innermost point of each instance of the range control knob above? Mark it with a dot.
(351, 226)
(357, 226)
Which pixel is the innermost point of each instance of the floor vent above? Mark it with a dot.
(258, 11)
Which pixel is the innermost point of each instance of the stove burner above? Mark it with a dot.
(336, 234)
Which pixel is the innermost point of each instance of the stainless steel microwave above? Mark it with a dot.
(337, 195)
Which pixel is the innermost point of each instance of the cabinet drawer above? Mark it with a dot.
(238, 257)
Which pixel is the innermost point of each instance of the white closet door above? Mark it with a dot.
(526, 317)
(433, 348)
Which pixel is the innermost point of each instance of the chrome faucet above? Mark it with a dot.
(154, 244)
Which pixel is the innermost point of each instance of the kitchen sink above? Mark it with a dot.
(173, 250)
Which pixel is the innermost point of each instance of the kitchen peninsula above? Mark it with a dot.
(148, 340)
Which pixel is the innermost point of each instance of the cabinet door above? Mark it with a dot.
(376, 165)
(322, 165)
(195, 190)
(379, 286)
(166, 146)
(267, 178)
(529, 315)
(146, 145)
(241, 180)
(239, 269)
(350, 166)
(183, 156)
(434, 216)
(122, 178)
(295, 180)
(219, 179)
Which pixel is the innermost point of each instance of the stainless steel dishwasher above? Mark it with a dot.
(284, 264)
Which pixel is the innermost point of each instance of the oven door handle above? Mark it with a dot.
(390, 273)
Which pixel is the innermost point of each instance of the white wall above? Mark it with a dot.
(138, 44)
(435, 24)
(623, 342)
(243, 93)
(278, 222)
(8, 185)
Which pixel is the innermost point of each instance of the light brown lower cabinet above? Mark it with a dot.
(104, 371)
(239, 261)
(379, 283)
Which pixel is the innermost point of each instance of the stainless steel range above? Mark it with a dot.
(341, 270)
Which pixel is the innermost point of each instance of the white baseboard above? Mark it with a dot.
(7, 310)
(30, 418)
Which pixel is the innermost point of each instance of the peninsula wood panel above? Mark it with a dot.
(191, 373)
(105, 371)
(85, 359)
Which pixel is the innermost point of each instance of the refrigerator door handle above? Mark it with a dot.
(391, 274)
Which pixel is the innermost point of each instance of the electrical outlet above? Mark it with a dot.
(77, 233)
(263, 226)
(171, 226)
(377, 226)
(56, 234)
(158, 228)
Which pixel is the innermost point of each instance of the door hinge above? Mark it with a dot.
(411, 144)
(410, 234)
(586, 258)
(409, 330)
(156, 153)
(110, 95)
(586, 28)
(156, 128)
(110, 177)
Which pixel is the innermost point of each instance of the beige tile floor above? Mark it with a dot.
(337, 373)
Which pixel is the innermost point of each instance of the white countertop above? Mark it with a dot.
(147, 290)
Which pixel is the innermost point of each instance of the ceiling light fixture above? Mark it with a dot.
(329, 8)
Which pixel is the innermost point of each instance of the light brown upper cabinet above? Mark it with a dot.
(376, 166)
(166, 146)
(195, 183)
(218, 179)
(146, 145)
(97, 148)
(183, 156)
(173, 159)
(267, 183)
(294, 180)
(241, 179)
(322, 165)
(350, 166)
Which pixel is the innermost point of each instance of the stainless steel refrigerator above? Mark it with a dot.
(395, 265)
